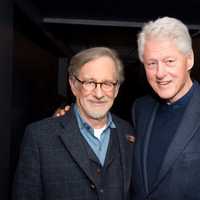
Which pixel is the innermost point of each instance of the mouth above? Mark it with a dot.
(163, 83)
(98, 103)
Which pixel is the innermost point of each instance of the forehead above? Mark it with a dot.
(99, 69)
(160, 48)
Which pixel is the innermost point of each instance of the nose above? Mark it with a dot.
(98, 91)
(160, 70)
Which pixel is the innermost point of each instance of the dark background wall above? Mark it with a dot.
(34, 87)
(6, 39)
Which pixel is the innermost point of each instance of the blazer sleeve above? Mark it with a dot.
(27, 181)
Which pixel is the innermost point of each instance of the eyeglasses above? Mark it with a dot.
(90, 85)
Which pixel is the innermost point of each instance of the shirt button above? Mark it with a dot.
(92, 186)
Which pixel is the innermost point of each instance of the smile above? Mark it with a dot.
(163, 82)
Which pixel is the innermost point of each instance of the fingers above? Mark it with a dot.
(61, 111)
(57, 112)
(56, 115)
(67, 108)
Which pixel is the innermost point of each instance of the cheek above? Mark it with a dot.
(83, 101)
(112, 95)
(82, 96)
(178, 73)
(85, 97)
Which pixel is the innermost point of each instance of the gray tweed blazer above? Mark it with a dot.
(54, 166)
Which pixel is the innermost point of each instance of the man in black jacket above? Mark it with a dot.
(86, 154)
(167, 125)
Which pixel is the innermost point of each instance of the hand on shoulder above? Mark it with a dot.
(61, 111)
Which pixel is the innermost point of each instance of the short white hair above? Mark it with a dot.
(165, 28)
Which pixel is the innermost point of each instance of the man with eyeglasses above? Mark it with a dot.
(87, 153)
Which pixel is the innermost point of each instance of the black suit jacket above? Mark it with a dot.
(179, 176)
(53, 164)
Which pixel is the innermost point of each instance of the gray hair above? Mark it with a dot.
(90, 54)
(165, 28)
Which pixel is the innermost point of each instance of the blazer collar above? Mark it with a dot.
(71, 138)
(125, 146)
(148, 124)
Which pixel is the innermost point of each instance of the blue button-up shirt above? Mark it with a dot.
(98, 145)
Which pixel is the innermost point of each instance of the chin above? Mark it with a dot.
(97, 115)
(165, 97)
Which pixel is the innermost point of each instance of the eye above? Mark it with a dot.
(107, 83)
(170, 61)
(151, 64)
(89, 83)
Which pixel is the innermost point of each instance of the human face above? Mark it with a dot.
(94, 105)
(167, 69)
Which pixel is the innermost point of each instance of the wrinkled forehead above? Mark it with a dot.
(160, 49)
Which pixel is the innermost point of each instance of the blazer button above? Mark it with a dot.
(101, 190)
(98, 171)
(92, 186)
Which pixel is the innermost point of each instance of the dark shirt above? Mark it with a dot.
(167, 119)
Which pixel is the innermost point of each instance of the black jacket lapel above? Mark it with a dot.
(71, 138)
(125, 147)
(148, 130)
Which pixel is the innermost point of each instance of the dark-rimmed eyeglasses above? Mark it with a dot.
(91, 85)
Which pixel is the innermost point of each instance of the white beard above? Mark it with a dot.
(97, 114)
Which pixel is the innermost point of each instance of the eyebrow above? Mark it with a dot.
(92, 79)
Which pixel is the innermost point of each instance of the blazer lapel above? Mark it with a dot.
(148, 124)
(186, 130)
(71, 138)
(125, 157)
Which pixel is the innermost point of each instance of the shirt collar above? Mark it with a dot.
(182, 102)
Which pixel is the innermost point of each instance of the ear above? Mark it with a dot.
(73, 86)
(190, 60)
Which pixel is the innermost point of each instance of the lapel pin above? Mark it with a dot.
(130, 138)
